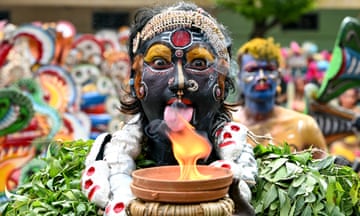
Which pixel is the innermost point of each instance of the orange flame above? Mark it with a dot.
(188, 147)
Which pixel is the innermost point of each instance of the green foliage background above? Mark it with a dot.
(266, 14)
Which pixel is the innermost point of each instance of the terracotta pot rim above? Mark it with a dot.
(178, 197)
(138, 174)
(161, 184)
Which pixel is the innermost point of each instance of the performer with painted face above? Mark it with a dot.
(180, 64)
(259, 63)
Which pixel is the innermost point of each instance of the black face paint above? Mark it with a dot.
(180, 66)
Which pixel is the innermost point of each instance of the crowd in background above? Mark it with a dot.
(305, 64)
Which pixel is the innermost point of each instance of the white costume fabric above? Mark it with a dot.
(106, 181)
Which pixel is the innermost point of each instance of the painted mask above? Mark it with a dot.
(181, 71)
(258, 78)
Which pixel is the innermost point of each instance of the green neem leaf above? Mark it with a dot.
(293, 208)
(301, 191)
(339, 192)
(274, 206)
(261, 150)
(324, 163)
(81, 208)
(285, 203)
(49, 184)
(307, 211)
(298, 181)
(283, 184)
(259, 208)
(292, 169)
(286, 149)
(69, 195)
(145, 163)
(312, 178)
(318, 207)
(335, 211)
(299, 208)
(55, 168)
(355, 193)
(310, 198)
(282, 196)
(330, 193)
(302, 157)
(310, 183)
(267, 186)
(36, 203)
(270, 196)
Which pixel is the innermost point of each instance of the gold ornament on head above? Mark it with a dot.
(170, 20)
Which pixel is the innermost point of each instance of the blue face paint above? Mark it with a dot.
(258, 82)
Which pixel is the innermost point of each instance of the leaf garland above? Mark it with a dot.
(291, 184)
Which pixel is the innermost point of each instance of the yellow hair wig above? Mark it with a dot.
(260, 48)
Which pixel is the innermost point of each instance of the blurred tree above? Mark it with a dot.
(266, 14)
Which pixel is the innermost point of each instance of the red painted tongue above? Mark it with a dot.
(175, 117)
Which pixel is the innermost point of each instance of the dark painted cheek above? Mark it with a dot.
(156, 82)
(206, 95)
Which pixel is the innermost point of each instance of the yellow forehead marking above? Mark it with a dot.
(199, 53)
(158, 50)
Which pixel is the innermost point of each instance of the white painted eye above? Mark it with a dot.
(104, 85)
(112, 105)
(85, 72)
(73, 57)
(95, 59)
(121, 69)
(89, 48)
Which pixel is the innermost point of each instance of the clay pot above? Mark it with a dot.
(160, 184)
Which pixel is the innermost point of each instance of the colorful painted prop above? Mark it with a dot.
(88, 49)
(67, 81)
(16, 111)
(32, 89)
(24, 120)
(41, 42)
(344, 68)
(61, 93)
(31, 118)
(65, 34)
(16, 114)
(343, 73)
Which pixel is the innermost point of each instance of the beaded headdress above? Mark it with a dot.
(170, 20)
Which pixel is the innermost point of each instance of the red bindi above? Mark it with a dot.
(180, 38)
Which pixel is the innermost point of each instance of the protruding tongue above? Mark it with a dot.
(176, 117)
